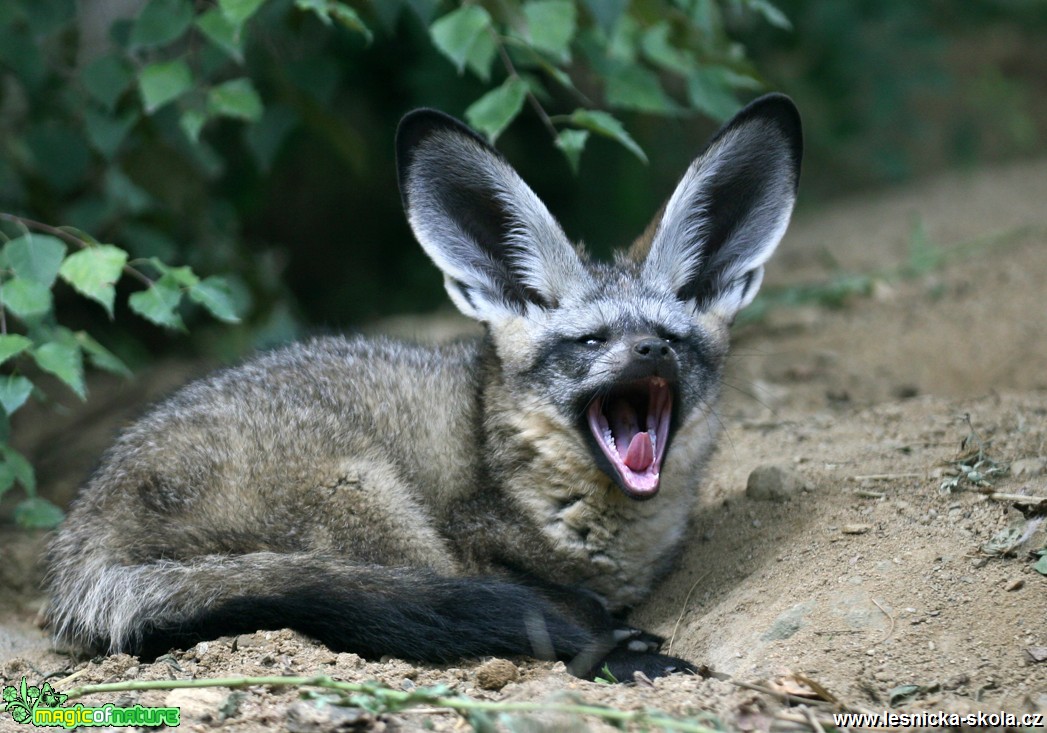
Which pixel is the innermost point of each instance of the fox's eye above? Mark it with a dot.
(592, 339)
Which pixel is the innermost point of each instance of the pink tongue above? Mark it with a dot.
(640, 454)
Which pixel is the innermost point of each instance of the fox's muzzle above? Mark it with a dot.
(631, 421)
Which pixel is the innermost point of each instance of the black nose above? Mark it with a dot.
(654, 349)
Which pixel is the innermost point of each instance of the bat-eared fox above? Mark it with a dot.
(511, 495)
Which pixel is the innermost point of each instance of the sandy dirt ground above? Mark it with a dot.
(848, 551)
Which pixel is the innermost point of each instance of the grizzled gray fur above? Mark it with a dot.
(512, 495)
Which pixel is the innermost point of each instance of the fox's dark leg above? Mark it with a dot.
(621, 648)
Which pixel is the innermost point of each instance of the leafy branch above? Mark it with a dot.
(69, 235)
(33, 341)
(628, 52)
(377, 698)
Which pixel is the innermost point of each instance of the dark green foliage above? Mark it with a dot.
(201, 133)
(893, 90)
(160, 131)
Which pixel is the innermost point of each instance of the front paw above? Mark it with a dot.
(623, 663)
(637, 640)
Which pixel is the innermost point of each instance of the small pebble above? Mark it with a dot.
(495, 674)
(774, 483)
(1037, 653)
(855, 528)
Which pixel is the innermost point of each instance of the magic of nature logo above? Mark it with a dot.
(42, 705)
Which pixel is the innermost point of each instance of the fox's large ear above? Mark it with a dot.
(498, 246)
(730, 210)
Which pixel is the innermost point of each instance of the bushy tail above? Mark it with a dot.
(409, 613)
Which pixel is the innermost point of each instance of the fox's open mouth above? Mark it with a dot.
(631, 426)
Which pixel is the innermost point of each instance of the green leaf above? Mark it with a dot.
(222, 32)
(1040, 565)
(159, 302)
(37, 512)
(20, 469)
(328, 10)
(14, 391)
(125, 193)
(239, 12)
(214, 294)
(770, 13)
(632, 87)
(709, 90)
(107, 132)
(101, 357)
(160, 22)
(493, 112)
(94, 271)
(604, 124)
(572, 143)
(481, 55)
(623, 44)
(424, 9)
(192, 122)
(26, 298)
(106, 78)
(561, 76)
(461, 34)
(236, 98)
(65, 361)
(659, 50)
(707, 16)
(164, 82)
(606, 676)
(35, 257)
(12, 344)
(350, 19)
(606, 13)
(551, 25)
(182, 277)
